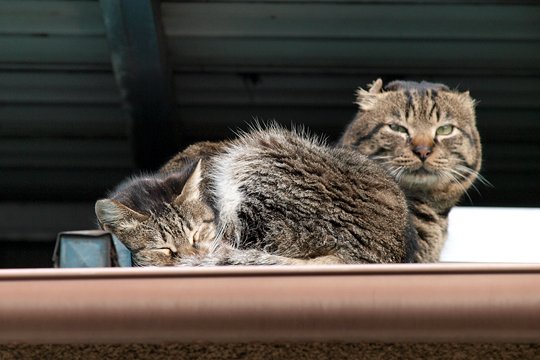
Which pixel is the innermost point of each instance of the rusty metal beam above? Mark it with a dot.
(375, 303)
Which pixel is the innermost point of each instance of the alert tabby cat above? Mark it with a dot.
(271, 196)
(425, 135)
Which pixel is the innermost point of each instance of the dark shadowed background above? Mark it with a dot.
(92, 91)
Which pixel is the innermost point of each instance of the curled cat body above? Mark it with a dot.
(271, 196)
(425, 135)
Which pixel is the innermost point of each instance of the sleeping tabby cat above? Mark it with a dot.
(269, 197)
(425, 135)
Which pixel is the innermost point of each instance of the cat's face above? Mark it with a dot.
(182, 228)
(424, 137)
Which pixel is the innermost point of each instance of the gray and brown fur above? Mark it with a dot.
(160, 217)
(194, 152)
(397, 127)
(275, 197)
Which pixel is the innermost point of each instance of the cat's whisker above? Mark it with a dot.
(479, 176)
(388, 166)
(394, 171)
(385, 162)
(400, 172)
(466, 169)
(483, 180)
(464, 177)
(216, 243)
(381, 157)
(458, 173)
(217, 239)
(449, 175)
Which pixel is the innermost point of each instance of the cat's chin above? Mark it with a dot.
(419, 178)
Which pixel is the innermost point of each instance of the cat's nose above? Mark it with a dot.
(422, 151)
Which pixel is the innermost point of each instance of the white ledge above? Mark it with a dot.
(482, 234)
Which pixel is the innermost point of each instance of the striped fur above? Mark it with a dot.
(276, 197)
(136, 210)
(398, 127)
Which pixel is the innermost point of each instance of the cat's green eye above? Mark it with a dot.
(398, 128)
(445, 130)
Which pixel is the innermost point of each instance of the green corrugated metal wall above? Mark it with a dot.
(64, 136)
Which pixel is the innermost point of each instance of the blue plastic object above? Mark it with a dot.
(91, 248)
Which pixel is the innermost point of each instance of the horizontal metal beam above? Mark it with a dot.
(376, 303)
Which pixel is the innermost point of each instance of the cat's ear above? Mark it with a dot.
(366, 99)
(467, 95)
(466, 99)
(191, 190)
(111, 214)
(376, 86)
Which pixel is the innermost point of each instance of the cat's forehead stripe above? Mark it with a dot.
(433, 106)
(374, 131)
(410, 105)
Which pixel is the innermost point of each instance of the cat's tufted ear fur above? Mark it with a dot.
(465, 101)
(467, 105)
(113, 215)
(466, 98)
(191, 190)
(366, 99)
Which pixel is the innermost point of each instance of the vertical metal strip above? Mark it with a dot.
(144, 77)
